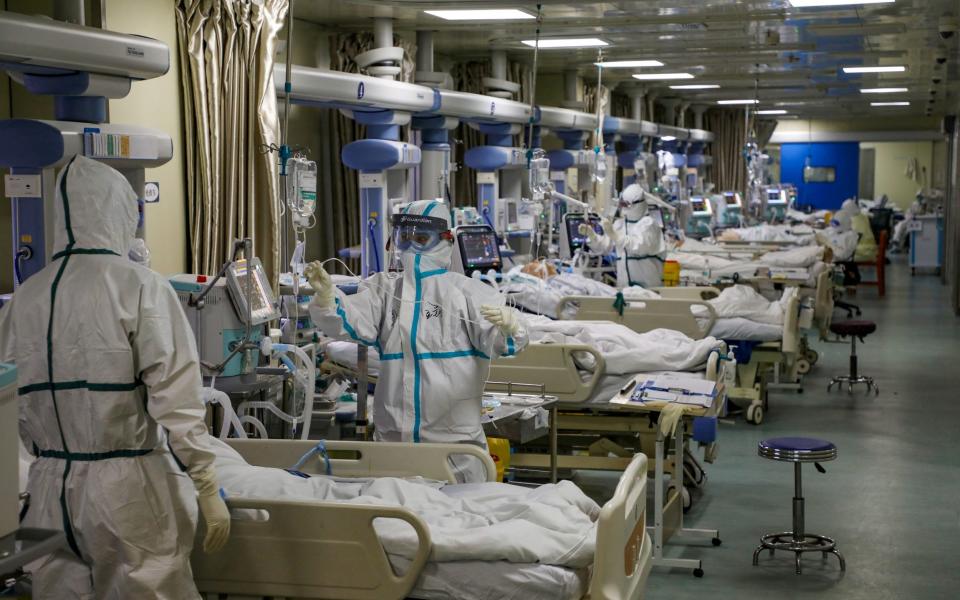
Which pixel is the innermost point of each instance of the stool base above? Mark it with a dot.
(852, 381)
(811, 543)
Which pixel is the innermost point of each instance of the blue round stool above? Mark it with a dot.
(798, 450)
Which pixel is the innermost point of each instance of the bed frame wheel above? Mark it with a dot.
(803, 366)
(698, 572)
(755, 414)
(716, 541)
(812, 356)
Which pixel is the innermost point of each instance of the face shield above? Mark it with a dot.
(419, 233)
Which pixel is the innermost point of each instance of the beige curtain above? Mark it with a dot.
(730, 135)
(226, 50)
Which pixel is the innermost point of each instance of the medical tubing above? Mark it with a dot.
(321, 449)
(371, 229)
(306, 378)
(16, 265)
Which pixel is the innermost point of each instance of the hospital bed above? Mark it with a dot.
(781, 349)
(314, 549)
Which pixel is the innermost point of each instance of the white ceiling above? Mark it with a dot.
(790, 58)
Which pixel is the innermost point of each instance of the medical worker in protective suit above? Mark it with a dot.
(109, 386)
(436, 332)
(636, 239)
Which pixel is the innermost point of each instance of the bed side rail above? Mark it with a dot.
(363, 459)
(791, 327)
(309, 549)
(550, 365)
(646, 315)
(687, 292)
(623, 557)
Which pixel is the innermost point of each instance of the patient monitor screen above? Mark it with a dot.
(776, 196)
(478, 250)
(699, 204)
(732, 198)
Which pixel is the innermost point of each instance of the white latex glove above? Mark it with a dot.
(214, 510)
(609, 231)
(503, 317)
(588, 231)
(322, 285)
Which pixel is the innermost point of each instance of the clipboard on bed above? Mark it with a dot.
(668, 389)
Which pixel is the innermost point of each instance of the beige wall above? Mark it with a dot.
(890, 169)
(157, 103)
(875, 124)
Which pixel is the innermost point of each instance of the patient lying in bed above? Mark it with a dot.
(538, 534)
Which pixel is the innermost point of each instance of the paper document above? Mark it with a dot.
(671, 389)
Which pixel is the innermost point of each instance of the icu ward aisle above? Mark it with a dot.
(479, 299)
(891, 496)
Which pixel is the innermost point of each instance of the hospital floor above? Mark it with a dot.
(892, 497)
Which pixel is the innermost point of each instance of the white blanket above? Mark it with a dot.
(743, 301)
(625, 351)
(799, 235)
(542, 296)
(551, 524)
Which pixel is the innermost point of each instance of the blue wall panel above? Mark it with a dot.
(842, 156)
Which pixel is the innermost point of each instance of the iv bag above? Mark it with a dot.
(598, 170)
(301, 190)
(540, 172)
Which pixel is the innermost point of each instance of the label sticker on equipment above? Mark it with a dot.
(22, 186)
(151, 192)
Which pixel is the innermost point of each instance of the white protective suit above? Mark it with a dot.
(637, 240)
(106, 363)
(434, 344)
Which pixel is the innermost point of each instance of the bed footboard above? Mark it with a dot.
(309, 549)
(623, 559)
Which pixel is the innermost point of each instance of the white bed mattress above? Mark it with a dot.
(496, 580)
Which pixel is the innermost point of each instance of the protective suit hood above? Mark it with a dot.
(438, 257)
(95, 208)
(635, 203)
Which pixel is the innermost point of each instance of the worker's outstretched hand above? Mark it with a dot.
(322, 284)
(216, 515)
(588, 231)
(503, 317)
(608, 229)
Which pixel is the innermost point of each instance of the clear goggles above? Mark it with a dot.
(418, 232)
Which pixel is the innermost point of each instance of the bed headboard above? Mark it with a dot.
(644, 315)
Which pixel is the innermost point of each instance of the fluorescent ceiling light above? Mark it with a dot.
(889, 104)
(566, 43)
(738, 102)
(661, 76)
(812, 3)
(773, 111)
(667, 138)
(890, 69)
(629, 63)
(495, 14)
(891, 90)
(695, 86)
